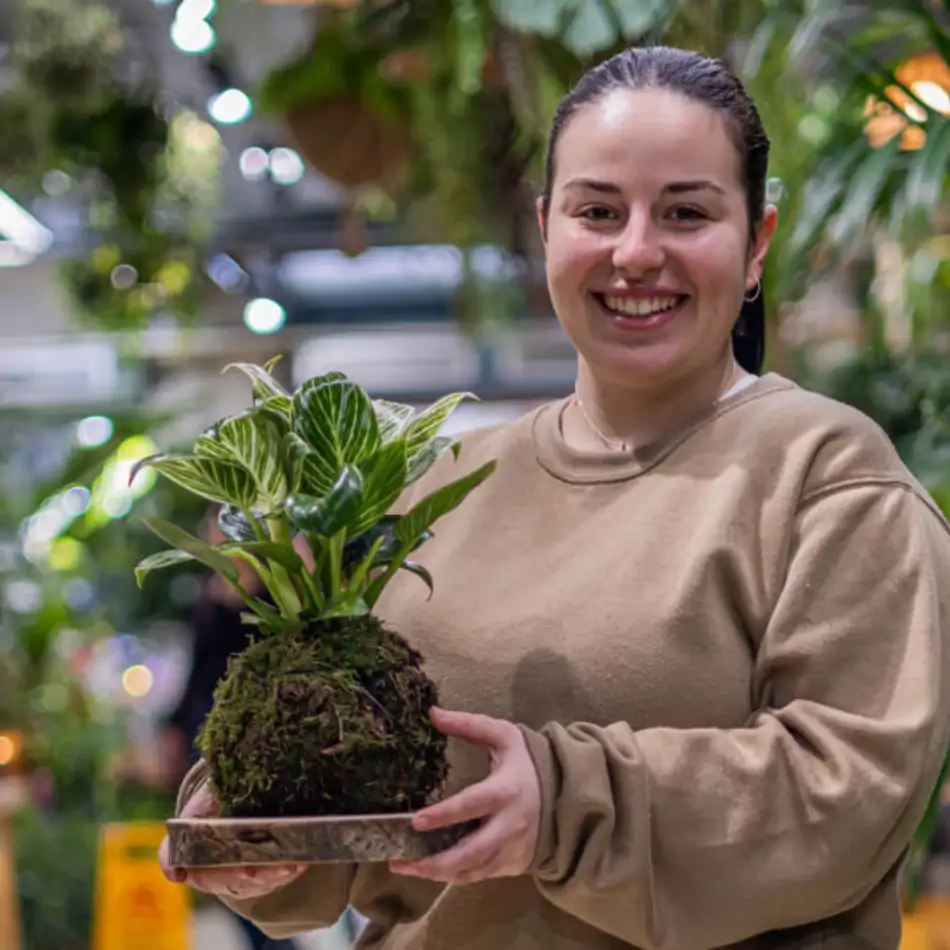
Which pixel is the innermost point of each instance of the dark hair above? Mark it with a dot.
(705, 80)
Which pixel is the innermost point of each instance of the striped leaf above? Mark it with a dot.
(254, 441)
(263, 385)
(209, 445)
(309, 472)
(430, 452)
(337, 509)
(280, 409)
(336, 419)
(391, 417)
(158, 561)
(427, 424)
(443, 500)
(384, 478)
(211, 478)
(234, 525)
(198, 549)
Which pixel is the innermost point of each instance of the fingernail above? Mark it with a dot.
(179, 876)
(247, 874)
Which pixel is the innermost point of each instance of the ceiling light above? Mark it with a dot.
(230, 107)
(286, 166)
(195, 9)
(94, 431)
(192, 35)
(264, 316)
(253, 163)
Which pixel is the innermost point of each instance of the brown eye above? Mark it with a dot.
(687, 214)
(597, 213)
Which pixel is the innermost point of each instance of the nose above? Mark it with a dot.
(639, 249)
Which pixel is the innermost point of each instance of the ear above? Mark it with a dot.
(542, 221)
(760, 246)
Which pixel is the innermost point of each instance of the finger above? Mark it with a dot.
(202, 804)
(476, 728)
(481, 848)
(477, 801)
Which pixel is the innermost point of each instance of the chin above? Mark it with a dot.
(629, 367)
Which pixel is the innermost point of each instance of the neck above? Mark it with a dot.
(607, 416)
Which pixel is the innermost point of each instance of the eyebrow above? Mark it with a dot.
(674, 187)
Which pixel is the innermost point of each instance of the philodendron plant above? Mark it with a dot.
(326, 712)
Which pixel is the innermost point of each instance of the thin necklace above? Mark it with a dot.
(620, 445)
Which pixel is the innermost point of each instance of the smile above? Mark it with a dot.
(641, 313)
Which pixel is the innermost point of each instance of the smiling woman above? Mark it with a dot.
(691, 635)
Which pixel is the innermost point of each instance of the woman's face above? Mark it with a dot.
(647, 237)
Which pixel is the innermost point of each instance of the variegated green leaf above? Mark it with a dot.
(208, 445)
(391, 418)
(337, 509)
(198, 549)
(336, 419)
(310, 472)
(280, 409)
(384, 477)
(254, 440)
(358, 547)
(427, 424)
(439, 503)
(428, 455)
(263, 385)
(235, 526)
(281, 554)
(158, 561)
(211, 478)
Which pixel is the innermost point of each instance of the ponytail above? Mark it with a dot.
(748, 335)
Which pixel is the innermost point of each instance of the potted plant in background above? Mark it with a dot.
(322, 723)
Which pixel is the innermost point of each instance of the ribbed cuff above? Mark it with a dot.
(539, 748)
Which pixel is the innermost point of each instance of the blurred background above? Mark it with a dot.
(186, 183)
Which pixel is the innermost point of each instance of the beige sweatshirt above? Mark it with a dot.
(729, 656)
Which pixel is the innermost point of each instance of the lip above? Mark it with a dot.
(642, 324)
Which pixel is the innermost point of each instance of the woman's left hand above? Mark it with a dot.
(508, 803)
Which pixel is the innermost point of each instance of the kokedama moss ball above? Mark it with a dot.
(332, 720)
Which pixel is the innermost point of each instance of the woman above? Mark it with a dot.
(693, 632)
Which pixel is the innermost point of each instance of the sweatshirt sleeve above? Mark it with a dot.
(679, 839)
(314, 900)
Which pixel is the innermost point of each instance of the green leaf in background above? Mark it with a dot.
(591, 30)
(439, 503)
(864, 189)
(198, 549)
(384, 478)
(522, 16)
(235, 526)
(336, 510)
(211, 478)
(391, 417)
(471, 46)
(263, 384)
(637, 18)
(158, 561)
(430, 453)
(427, 424)
(337, 421)
(254, 440)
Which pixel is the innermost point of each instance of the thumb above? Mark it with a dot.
(476, 728)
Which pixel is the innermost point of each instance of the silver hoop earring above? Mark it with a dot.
(755, 293)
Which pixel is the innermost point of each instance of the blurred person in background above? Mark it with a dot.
(692, 636)
(217, 634)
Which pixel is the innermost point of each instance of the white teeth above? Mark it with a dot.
(640, 307)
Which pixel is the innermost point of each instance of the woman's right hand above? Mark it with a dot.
(235, 883)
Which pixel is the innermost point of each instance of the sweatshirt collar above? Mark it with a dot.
(580, 467)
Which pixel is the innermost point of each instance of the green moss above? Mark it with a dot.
(332, 720)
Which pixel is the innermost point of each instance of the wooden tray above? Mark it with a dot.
(223, 842)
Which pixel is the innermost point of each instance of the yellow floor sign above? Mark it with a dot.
(136, 907)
